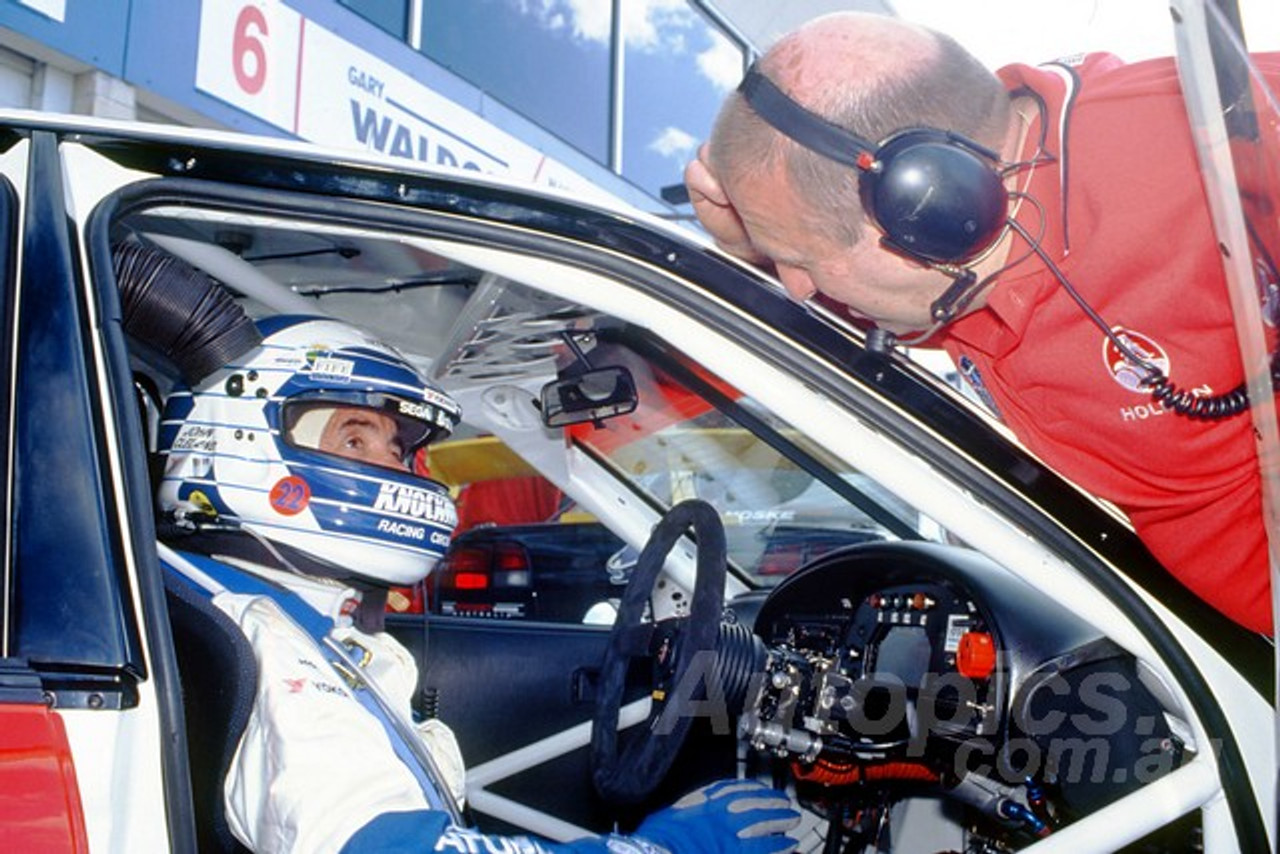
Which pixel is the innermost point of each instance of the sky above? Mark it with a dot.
(1040, 30)
(689, 69)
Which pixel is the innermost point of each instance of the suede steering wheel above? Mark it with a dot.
(627, 767)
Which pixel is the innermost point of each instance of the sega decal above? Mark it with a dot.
(290, 496)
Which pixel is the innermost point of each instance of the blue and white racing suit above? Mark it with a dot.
(331, 759)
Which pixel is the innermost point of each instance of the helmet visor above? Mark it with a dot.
(374, 427)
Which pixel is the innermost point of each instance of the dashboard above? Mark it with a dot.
(903, 667)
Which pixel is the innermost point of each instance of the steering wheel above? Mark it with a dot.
(682, 653)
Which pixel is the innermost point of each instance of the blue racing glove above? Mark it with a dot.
(730, 816)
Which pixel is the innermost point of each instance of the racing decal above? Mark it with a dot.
(758, 517)
(1124, 372)
(201, 502)
(290, 496)
(196, 437)
(439, 399)
(409, 502)
(437, 410)
(319, 686)
(464, 840)
(420, 411)
(330, 367)
(288, 361)
(403, 530)
(314, 680)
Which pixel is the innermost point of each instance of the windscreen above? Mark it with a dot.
(784, 501)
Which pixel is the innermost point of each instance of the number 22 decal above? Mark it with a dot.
(290, 496)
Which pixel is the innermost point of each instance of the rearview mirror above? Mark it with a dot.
(592, 395)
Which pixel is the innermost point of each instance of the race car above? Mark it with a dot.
(980, 657)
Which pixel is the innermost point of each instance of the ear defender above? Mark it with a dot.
(936, 196)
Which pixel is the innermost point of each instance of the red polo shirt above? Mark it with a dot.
(1123, 214)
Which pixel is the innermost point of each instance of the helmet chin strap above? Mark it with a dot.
(219, 539)
(370, 614)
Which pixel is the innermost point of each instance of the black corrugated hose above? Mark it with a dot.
(185, 314)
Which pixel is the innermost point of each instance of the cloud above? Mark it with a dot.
(590, 18)
(650, 25)
(653, 26)
(674, 143)
(721, 63)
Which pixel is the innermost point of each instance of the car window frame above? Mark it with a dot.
(66, 557)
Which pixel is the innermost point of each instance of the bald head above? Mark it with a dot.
(873, 75)
(847, 50)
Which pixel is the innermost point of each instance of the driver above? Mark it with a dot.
(293, 496)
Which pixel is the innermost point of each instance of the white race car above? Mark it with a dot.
(878, 600)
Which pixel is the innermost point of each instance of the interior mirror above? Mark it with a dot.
(592, 395)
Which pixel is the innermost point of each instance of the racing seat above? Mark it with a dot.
(219, 678)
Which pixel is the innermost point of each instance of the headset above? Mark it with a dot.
(936, 196)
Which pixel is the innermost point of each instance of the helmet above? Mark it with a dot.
(244, 446)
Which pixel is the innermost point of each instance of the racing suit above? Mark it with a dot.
(330, 759)
(1111, 192)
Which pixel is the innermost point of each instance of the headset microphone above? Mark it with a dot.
(964, 287)
(955, 298)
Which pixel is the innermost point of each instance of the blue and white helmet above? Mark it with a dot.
(244, 446)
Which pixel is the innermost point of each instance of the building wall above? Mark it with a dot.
(310, 69)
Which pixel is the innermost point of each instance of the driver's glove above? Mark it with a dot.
(731, 816)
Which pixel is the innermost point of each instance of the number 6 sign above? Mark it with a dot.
(250, 55)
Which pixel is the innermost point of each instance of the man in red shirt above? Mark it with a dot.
(1101, 174)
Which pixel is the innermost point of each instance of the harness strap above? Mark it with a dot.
(212, 577)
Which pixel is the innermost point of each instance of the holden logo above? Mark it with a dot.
(1122, 368)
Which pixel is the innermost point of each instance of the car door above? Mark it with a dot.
(41, 793)
(88, 690)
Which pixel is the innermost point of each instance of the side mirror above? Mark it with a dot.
(593, 395)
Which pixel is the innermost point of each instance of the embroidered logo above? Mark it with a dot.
(1122, 370)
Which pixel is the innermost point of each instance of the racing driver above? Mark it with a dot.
(292, 500)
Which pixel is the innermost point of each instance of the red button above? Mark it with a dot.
(976, 655)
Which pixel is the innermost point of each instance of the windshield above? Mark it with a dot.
(784, 501)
